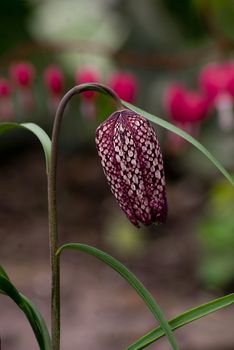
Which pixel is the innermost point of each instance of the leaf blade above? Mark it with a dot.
(166, 125)
(37, 131)
(33, 315)
(183, 319)
(131, 279)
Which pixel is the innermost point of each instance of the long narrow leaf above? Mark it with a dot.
(131, 279)
(37, 131)
(184, 135)
(33, 315)
(183, 319)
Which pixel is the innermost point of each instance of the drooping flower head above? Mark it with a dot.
(125, 85)
(22, 74)
(54, 80)
(132, 162)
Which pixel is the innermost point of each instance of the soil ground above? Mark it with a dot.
(99, 310)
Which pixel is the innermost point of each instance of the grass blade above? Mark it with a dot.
(37, 131)
(131, 279)
(166, 125)
(183, 319)
(33, 315)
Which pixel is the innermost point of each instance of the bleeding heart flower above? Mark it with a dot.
(87, 75)
(6, 105)
(88, 106)
(217, 82)
(54, 80)
(22, 74)
(185, 106)
(186, 109)
(125, 85)
(132, 162)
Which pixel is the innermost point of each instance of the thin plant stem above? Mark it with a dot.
(52, 203)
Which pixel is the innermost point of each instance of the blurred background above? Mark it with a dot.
(174, 59)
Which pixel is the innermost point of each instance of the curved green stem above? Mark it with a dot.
(52, 203)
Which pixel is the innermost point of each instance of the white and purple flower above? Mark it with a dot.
(132, 162)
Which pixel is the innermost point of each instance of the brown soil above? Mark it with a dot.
(99, 310)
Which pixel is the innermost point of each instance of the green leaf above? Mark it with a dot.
(4, 274)
(183, 134)
(37, 131)
(131, 279)
(183, 319)
(33, 315)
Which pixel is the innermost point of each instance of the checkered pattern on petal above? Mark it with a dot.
(132, 162)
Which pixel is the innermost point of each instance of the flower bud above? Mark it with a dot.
(132, 162)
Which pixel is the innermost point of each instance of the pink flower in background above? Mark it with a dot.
(6, 105)
(217, 82)
(88, 75)
(186, 109)
(125, 85)
(23, 75)
(54, 81)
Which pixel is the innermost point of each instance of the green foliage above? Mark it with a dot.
(185, 135)
(33, 315)
(183, 319)
(131, 279)
(37, 131)
(216, 235)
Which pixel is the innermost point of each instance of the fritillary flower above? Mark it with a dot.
(132, 162)
(125, 85)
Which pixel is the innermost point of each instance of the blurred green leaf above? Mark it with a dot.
(216, 237)
(37, 131)
(183, 319)
(131, 279)
(183, 134)
(33, 315)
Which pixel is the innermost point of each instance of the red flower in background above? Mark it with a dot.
(87, 75)
(54, 80)
(186, 109)
(217, 82)
(6, 105)
(125, 85)
(22, 74)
